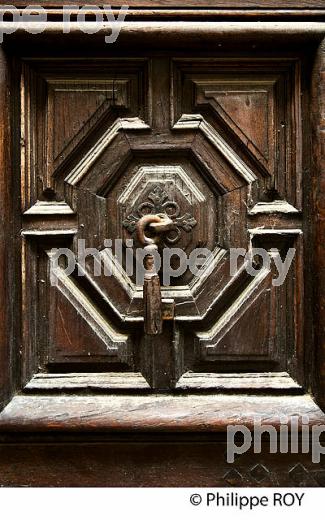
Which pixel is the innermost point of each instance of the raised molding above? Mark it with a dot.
(49, 232)
(155, 173)
(113, 381)
(88, 160)
(174, 413)
(207, 269)
(210, 335)
(196, 121)
(276, 206)
(76, 381)
(105, 331)
(238, 381)
(158, 29)
(271, 231)
(112, 265)
(50, 208)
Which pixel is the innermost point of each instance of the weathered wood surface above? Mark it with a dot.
(153, 413)
(140, 102)
(191, 137)
(6, 208)
(303, 4)
(78, 381)
(293, 12)
(244, 382)
(151, 463)
(160, 31)
(318, 144)
(189, 381)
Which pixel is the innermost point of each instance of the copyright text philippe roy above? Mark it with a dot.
(246, 501)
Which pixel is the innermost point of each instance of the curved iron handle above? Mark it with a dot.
(153, 312)
(159, 223)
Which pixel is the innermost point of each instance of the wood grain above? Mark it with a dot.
(240, 382)
(109, 422)
(151, 462)
(318, 143)
(175, 135)
(304, 4)
(294, 12)
(153, 413)
(207, 30)
(5, 231)
(190, 381)
(75, 382)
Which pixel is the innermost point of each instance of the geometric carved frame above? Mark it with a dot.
(26, 414)
(186, 122)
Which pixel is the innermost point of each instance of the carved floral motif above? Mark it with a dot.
(158, 202)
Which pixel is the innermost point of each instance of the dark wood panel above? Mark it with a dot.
(148, 463)
(186, 178)
(5, 232)
(318, 144)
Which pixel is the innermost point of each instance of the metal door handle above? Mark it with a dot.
(154, 312)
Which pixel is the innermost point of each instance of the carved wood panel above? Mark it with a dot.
(214, 143)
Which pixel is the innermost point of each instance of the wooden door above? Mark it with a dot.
(215, 144)
(220, 142)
